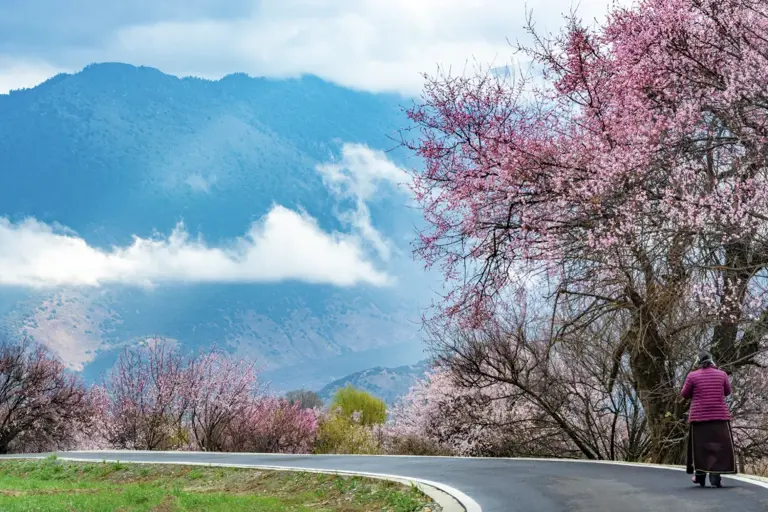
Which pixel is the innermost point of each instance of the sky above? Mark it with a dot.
(372, 45)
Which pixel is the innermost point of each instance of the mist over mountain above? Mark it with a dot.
(263, 216)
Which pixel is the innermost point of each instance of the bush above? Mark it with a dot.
(273, 425)
(353, 402)
(340, 434)
(411, 445)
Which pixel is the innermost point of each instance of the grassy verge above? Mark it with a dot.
(54, 485)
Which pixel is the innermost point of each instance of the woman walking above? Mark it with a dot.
(710, 442)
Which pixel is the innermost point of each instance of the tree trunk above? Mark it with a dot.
(656, 388)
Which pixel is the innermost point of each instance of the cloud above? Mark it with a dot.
(200, 183)
(358, 176)
(365, 44)
(21, 74)
(284, 245)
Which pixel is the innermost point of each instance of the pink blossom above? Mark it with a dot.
(649, 128)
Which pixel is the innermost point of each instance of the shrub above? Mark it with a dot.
(273, 425)
(392, 444)
(340, 434)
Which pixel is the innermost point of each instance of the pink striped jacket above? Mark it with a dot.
(707, 387)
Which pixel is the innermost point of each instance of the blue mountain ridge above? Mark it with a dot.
(113, 151)
(388, 384)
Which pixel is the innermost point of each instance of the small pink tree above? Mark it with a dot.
(221, 392)
(103, 429)
(148, 397)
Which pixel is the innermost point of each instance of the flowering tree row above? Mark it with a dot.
(498, 391)
(155, 398)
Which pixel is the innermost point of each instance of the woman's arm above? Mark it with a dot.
(726, 384)
(687, 391)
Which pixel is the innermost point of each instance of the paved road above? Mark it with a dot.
(502, 485)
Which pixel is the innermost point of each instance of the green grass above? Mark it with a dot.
(55, 485)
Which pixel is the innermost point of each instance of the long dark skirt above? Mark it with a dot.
(710, 448)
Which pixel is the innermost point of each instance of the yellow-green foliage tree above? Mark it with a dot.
(350, 402)
(349, 425)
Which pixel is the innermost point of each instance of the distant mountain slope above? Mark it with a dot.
(112, 135)
(116, 151)
(389, 384)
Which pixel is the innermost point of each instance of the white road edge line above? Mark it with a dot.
(449, 499)
(750, 479)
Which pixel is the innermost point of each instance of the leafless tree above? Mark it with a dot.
(42, 405)
(305, 398)
(576, 391)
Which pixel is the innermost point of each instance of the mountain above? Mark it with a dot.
(389, 384)
(115, 152)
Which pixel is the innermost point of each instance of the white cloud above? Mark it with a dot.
(284, 245)
(358, 176)
(365, 44)
(373, 45)
(200, 183)
(16, 73)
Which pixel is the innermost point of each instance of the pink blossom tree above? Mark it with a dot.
(504, 389)
(42, 405)
(273, 425)
(439, 415)
(221, 391)
(632, 182)
(749, 406)
(147, 397)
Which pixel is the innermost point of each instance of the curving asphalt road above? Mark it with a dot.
(510, 485)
